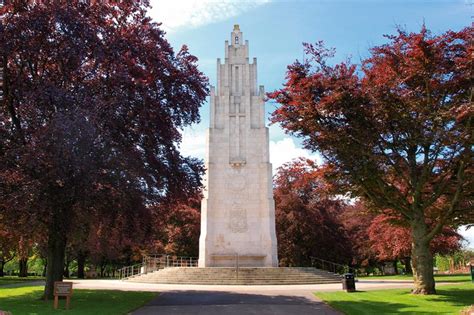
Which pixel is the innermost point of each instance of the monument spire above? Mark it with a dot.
(238, 212)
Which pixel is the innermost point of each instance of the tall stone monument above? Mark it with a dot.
(237, 211)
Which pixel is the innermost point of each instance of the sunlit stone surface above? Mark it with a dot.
(238, 211)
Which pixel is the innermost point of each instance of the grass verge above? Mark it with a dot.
(15, 279)
(438, 278)
(449, 300)
(26, 300)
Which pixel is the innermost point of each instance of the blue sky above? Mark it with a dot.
(276, 30)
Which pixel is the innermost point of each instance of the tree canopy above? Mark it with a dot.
(306, 215)
(396, 131)
(94, 101)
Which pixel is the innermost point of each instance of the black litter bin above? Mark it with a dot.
(348, 282)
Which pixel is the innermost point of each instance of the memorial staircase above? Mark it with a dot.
(166, 269)
(238, 276)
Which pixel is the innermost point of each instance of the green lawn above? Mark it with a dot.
(438, 278)
(449, 300)
(26, 300)
(14, 279)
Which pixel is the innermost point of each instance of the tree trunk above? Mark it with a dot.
(43, 274)
(395, 266)
(2, 264)
(23, 254)
(55, 266)
(81, 260)
(23, 263)
(407, 263)
(422, 259)
(381, 268)
(66, 269)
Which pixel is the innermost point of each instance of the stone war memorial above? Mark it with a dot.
(238, 211)
(150, 165)
(238, 243)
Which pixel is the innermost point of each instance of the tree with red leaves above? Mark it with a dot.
(8, 244)
(182, 226)
(306, 216)
(397, 131)
(356, 219)
(377, 238)
(94, 100)
(390, 238)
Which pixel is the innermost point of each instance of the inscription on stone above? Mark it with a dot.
(238, 219)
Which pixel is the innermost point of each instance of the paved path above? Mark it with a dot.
(239, 299)
(235, 303)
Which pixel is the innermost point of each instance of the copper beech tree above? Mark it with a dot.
(397, 131)
(389, 239)
(94, 100)
(386, 237)
(306, 215)
(178, 226)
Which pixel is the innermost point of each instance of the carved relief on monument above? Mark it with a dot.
(220, 242)
(238, 218)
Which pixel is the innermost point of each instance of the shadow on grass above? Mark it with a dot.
(24, 299)
(439, 278)
(448, 300)
(9, 281)
(456, 296)
(33, 283)
(27, 300)
(453, 278)
(361, 307)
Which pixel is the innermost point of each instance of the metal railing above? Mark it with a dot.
(156, 262)
(165, 261)
(333, 267)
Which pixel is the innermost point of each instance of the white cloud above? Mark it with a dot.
(194, 143)
(285, 150)
(276, 131)
(281, 151)
(181, 14)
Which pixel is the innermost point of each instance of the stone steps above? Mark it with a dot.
(246, 276)
(232, 278)
(242, 283)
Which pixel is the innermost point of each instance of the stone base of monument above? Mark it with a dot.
(238, 276)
